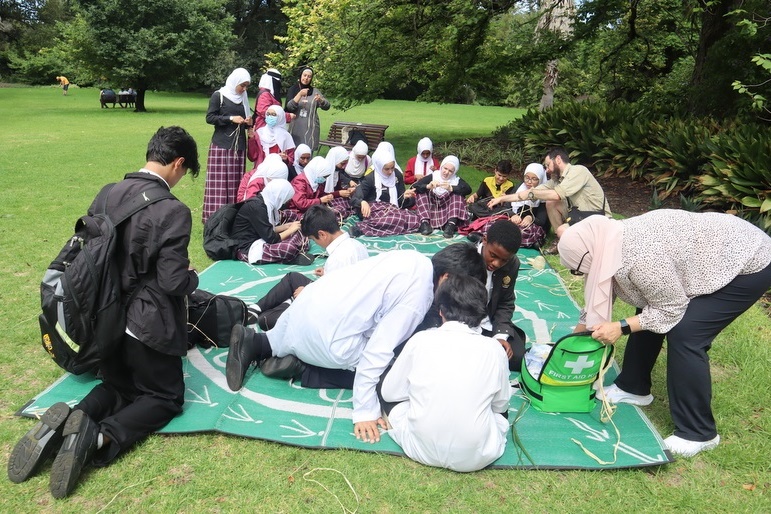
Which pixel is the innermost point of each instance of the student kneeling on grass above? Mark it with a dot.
(452, 385)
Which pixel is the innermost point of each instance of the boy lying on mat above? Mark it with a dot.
(452, 386)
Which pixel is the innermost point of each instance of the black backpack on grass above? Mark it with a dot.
(218, 242)
(84, 311)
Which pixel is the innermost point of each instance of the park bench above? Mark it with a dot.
(340, 130)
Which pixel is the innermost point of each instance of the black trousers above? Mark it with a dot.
(517, 343)
(141, 391)
(688, 376)
(273, 305)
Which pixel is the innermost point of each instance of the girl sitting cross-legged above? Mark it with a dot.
(382, 202)
(441, 198)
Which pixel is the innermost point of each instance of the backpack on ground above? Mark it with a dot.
(210, 318)
(84, 311)
(564, 382)
(218, 242)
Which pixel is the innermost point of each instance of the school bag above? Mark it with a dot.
(218, 242)
(564, 383)
(210, 318)
(83, 309)
(354, 136)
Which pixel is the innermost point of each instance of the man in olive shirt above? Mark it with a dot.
(569, 185)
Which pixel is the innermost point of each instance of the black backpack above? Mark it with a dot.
(84, 312)
(217, 233)
(210, 318)
(355, 136)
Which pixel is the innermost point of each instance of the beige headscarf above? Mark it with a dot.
(602, 238)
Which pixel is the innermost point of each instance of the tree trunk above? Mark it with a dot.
(140, 102)
(549, 83)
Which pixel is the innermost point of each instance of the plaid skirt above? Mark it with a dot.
(439, 209)
(386, 219)
(224, 169)
(342, 206)
(285, 251)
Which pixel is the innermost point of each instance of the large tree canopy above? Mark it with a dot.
(149, 44)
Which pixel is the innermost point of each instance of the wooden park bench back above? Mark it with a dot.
(338, 134)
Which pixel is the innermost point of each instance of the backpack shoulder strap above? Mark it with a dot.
(136, 204)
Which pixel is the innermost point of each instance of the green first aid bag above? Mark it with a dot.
(564, 383)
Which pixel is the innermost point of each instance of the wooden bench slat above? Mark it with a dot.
(375, 134)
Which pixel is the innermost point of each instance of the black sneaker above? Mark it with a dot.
(425, 228)
(242, 353)
(38, 444)
(449, 230)
(78, 446)
(475, 237)
(355, 231)
(288, 366)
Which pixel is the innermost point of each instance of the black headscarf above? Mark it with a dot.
(296, 87)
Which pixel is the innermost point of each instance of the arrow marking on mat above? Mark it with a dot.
(596, 435)
(241, 416)
(206, 399)
(544, 306)
(302, 431)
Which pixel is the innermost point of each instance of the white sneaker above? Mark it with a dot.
(616, 395)
(685, 448)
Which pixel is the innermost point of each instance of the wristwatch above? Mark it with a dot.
(625, 328)
(531, 196)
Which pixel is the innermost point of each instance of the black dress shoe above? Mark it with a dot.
(242, 353)
(475, 237)
(79, 442)
(425, 228)
(287, 366)
(450, 229)
(38, 444)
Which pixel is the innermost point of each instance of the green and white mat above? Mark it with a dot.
(285, 412)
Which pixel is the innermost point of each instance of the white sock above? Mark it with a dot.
(99, 441)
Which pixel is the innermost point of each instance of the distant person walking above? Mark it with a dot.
(65, 83)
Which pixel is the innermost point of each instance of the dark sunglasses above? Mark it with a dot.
(576, 271)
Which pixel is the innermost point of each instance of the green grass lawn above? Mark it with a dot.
(55, 154)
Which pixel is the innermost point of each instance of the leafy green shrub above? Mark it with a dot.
(737, 175)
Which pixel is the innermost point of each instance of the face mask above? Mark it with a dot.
(321, 180)
(271, 120)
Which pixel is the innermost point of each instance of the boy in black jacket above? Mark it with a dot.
(142, 385)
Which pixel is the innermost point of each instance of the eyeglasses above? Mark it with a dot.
(576, 271)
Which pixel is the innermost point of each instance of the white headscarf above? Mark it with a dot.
(278, 135)
(355, 167)
(538, 170)
(423, 145)
(335, 156)
(602, 238)
(453, 180)
(275, 195)
(301, 150)
(318, 167)
(272, 168)
(385, 146)
(239, 76)
(380, 159)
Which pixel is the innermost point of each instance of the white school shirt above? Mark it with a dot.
(453, 385)
(353, 318)
(343, 252)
